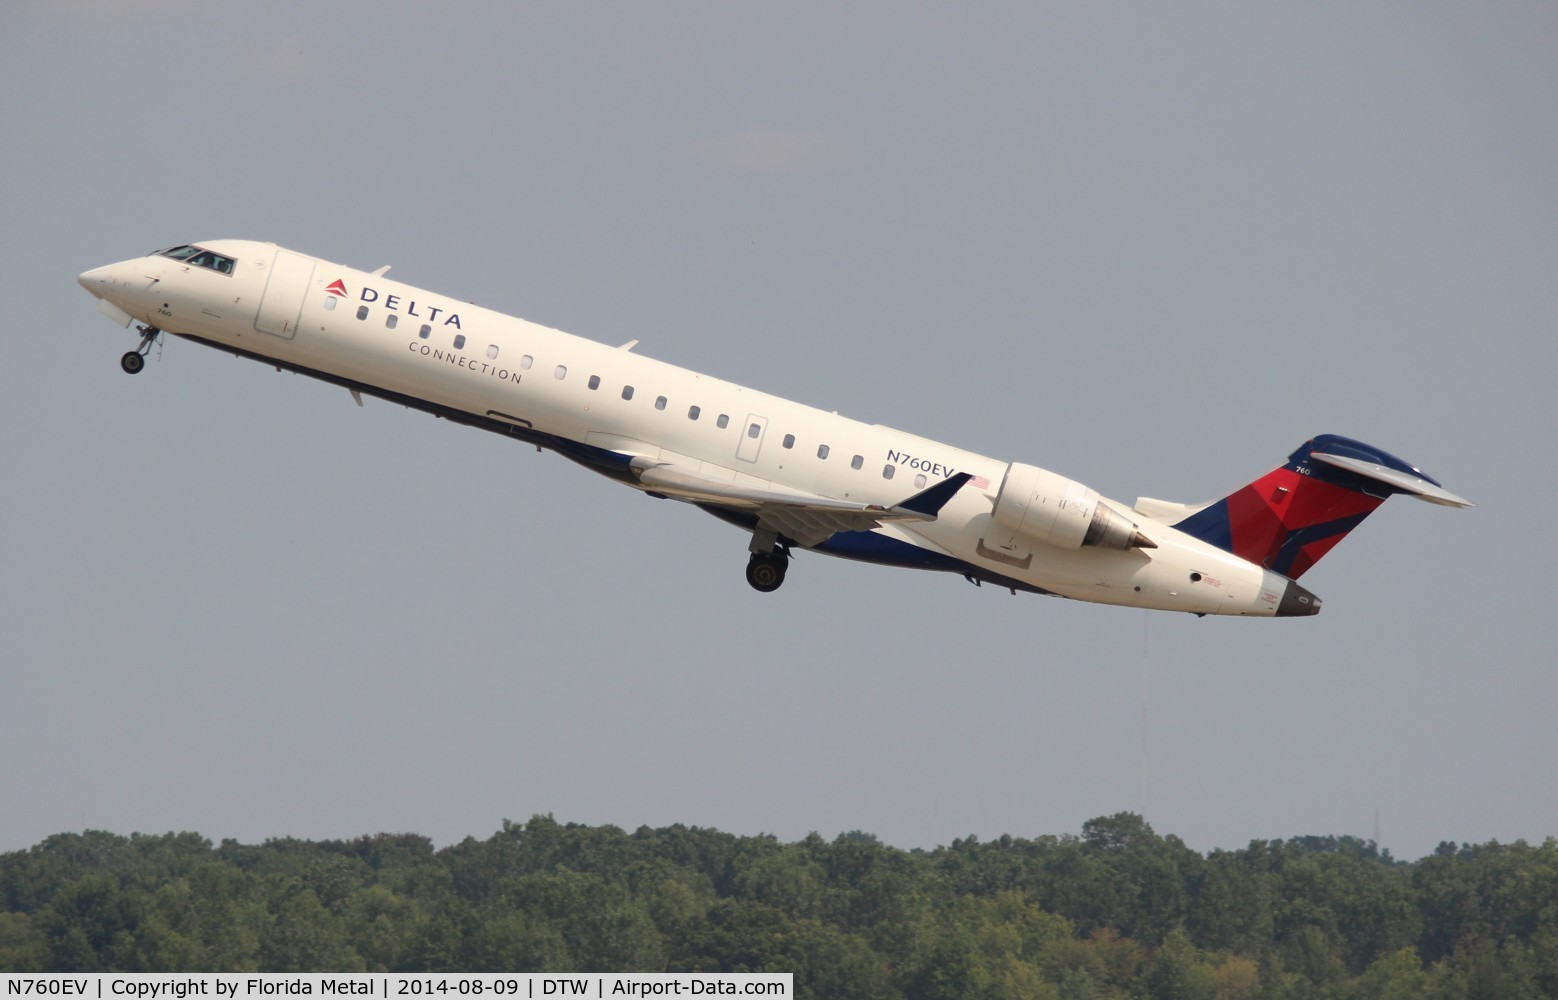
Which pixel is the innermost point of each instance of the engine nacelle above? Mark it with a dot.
(1036, 503)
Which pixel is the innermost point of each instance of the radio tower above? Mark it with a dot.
(1146, 618)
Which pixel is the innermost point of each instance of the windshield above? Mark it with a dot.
(196, 257)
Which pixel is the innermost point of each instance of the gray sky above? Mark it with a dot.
(1152, 247)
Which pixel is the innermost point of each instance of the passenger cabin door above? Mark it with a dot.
(285, 288)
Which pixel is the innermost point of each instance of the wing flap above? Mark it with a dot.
(808, 518)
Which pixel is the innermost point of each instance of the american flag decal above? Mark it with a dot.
(979, 483)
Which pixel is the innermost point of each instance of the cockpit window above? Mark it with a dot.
(196, 257)
(214, 261)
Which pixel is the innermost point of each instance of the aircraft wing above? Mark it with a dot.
(808, 518)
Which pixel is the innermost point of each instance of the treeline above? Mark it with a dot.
(1117, 912)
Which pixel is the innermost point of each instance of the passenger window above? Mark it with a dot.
(723, 422)
(459, 341)
(425, 332)
(594, 382)
(822, 451)
(919, 481)
(526, 361)
(492, 352)
(887, 471)
(329, 303)
(754, 430)
(692, 412)
(659, 402)
(391, 320)
(362, 312)
(789, 440)
(560, 372)
(627, 392)
(857, 462)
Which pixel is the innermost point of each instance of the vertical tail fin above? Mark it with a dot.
(1289, 518)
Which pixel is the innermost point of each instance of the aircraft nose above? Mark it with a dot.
(97, 281)
(117, 296)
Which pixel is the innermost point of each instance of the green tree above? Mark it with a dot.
(1480, 970)
(88, 924)
(788, 880)
(606, 928)
(384, 928)
(1178, 971)
(1396, 976)
(23, 947)
(303, 936)
(1232, 905)
(1102, 962)
(956, 969)
(517, 942)
(1116, 911)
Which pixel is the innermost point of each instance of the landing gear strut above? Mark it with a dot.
(134, 361)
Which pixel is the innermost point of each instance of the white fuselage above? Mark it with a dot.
(372, 333)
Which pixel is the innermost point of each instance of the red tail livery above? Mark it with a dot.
(1293, 515)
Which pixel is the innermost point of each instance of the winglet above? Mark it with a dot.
(928, 503)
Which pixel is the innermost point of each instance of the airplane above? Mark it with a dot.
(792, 476)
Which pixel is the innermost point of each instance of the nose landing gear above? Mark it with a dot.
(134, 361)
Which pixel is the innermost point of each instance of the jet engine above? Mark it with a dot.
(1036, 503)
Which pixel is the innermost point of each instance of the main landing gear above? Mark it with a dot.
(768, 562)
(134, 361)
(765, 570)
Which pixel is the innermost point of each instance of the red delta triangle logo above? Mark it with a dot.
(337, 287)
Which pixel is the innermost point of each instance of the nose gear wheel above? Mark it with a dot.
(134, 361)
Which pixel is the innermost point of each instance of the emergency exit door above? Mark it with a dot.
(751, 437)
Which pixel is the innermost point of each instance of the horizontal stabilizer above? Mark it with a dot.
(1406, 482)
